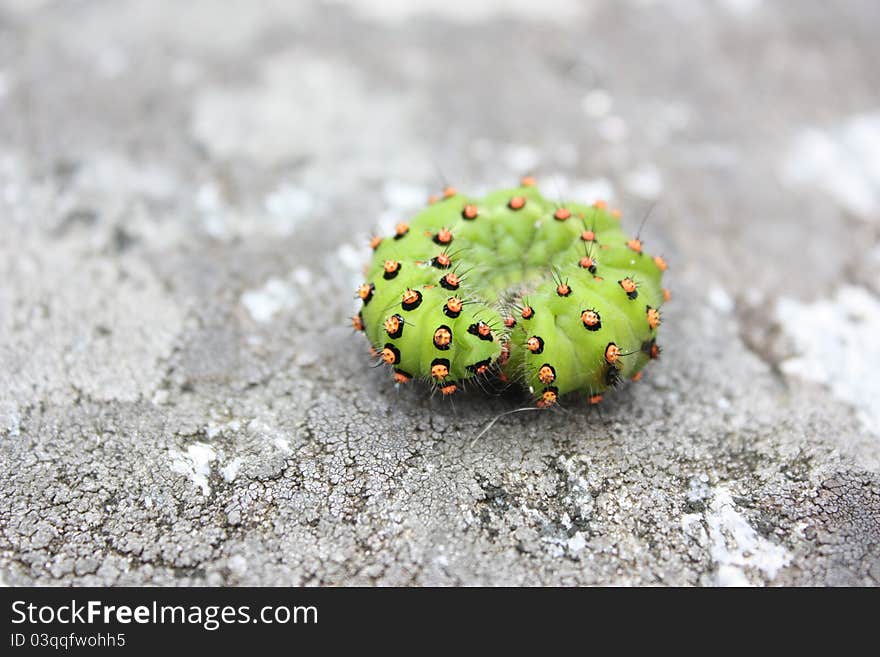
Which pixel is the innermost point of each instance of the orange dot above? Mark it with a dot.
(389, 356)
(443, 260)
(391, 266)
(451, 280)
(612, 353)
(444, 236)
(595, 399)
(365, 290)
(449, 192)
(482, 369)
(392, 324)
(616, 213)
(442, 337)
(635, 244)
(562, 214)
(400, 377)
(653, 318)
(563, 289)
(375, 241)
(470, 212)
(527, 312)
(586, 262)
(661, 263)
(546, 375)
(588, 236)
(516, 203)
(534, 344)
(548, 398)
(667, 295)
(448, 389)
(600, 204)
(357, 323)
(590, 318)
(439, 371)
(401, 229)
(453, 304)
(637, 376)
(628, 285)
(432, 199)
(509, 322)
(527, 181)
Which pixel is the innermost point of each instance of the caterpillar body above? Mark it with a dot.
(552, 295)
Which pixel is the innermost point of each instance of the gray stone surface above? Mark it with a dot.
(185, 194)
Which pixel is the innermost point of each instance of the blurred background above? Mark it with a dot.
(186, 191)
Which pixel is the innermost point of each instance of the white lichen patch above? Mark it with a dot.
(597, 103)
(268, 300)
(734, 546)
(720, 300)
(521, 157)
(587, 191)
(230, 470)
(644, 181)
(837, 346)
(237, 564)
(277, 295)
(289, 206)
(352, 258)
(195, 463)
(403, 197)
(278, 438)
(734, 543)
(10, 418)
(843, 162)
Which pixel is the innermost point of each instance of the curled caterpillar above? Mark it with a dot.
(554, 296)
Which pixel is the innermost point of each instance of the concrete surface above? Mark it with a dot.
(185, 194)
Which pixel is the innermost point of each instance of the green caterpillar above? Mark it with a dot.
(555, 296)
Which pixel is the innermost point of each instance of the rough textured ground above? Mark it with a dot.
(185, 195)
